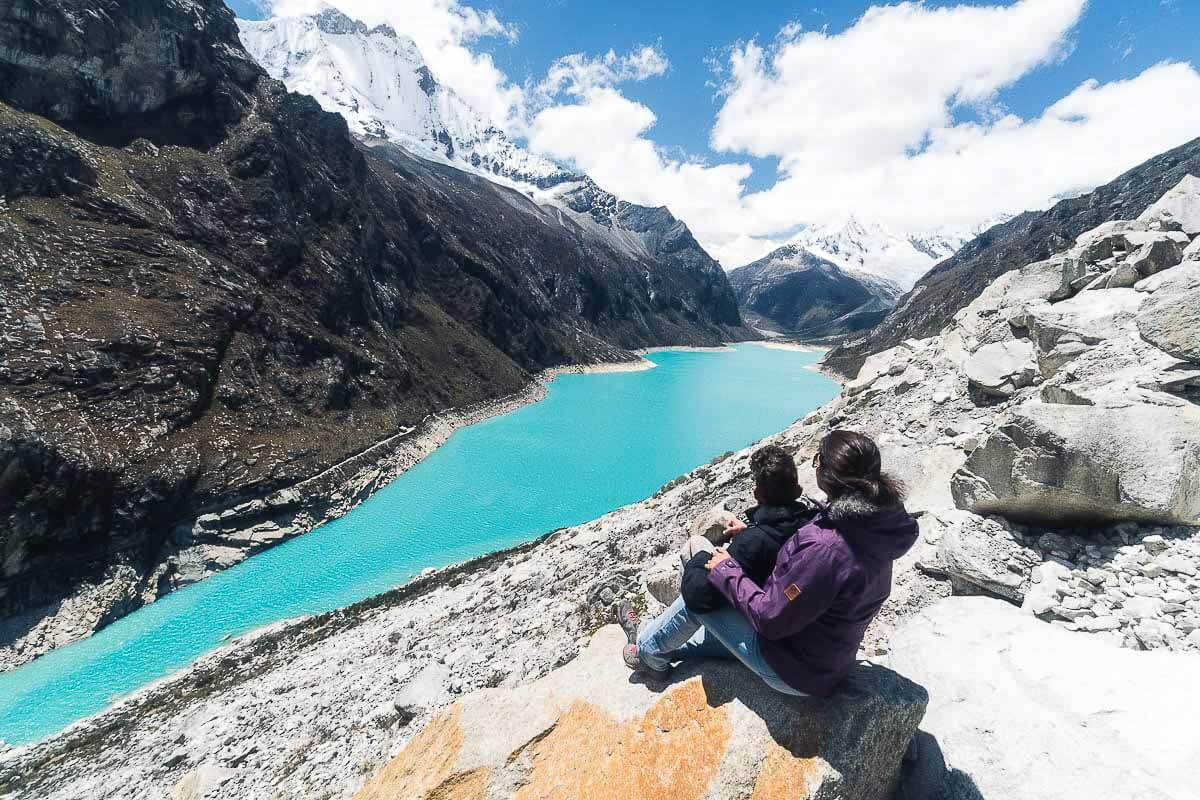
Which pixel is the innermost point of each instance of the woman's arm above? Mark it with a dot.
(801, 588)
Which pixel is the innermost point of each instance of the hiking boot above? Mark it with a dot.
(629, 620)
(633, 660)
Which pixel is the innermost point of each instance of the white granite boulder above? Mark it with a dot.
(1059, 465)
(1022, 710)
(1178, 209)
(1001, 368)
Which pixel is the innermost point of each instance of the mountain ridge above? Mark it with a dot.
(796, 291)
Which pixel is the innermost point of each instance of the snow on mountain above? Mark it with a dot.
(869, 247)
(378, 80)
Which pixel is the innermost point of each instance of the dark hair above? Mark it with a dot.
(848, 461)
(775, 475)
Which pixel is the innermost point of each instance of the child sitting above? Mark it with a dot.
(781, 511)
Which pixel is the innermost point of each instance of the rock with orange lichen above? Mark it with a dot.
(592, 731)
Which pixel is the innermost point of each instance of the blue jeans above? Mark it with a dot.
(680, 635)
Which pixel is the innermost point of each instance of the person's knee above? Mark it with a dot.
(697, 544)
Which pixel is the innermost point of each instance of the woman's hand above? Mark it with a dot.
(734, 527)
(717, 557)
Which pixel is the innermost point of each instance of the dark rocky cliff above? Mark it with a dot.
(1031, 237)
(209, 291)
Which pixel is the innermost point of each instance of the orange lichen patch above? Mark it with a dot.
(424, 770)
(784, 775)
(671, 753)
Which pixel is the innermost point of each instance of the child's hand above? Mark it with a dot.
(720, 555)
(734, 527)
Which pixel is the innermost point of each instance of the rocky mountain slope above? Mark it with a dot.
(1049, 438)
(793, 290)
(223, 320)
(1032, 236)
(378, 80)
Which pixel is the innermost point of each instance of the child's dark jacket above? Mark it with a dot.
(755, 548)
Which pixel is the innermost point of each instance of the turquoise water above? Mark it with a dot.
(595, 443)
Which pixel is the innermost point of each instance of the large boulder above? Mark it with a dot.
(984, 554)
(1061, 465)
(712, 523)
(1001, 368)
(588, 731)
(663, 578)
(1028, 711)
(1178, 209)
(1170, 319)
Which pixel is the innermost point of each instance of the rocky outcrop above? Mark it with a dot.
(589, 731)
(1170, 319)
(1022, 710)
(794, 291)
(956, 282)
(1001, 368)
(168, 70)
(1055, 463)
(212, 295)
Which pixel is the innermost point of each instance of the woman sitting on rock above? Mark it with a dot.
(801, 629)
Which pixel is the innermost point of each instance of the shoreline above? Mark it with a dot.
(724, 348)
(794, 346)
(253, 524)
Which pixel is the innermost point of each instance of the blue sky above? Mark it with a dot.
(1103, 40)
(691, 32)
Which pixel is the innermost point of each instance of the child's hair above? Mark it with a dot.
(775, 475)
(849, 461)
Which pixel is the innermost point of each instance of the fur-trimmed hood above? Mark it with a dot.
(883, 532)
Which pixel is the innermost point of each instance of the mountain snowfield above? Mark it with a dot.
(869, 247)
(377, 79)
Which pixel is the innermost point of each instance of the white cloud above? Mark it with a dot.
(864, 121)
(875, 90)
(577, 74)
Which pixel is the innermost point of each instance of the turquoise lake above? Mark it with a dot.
(596, 443)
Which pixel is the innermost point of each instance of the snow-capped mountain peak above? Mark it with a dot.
(378, 80)
(867, 246)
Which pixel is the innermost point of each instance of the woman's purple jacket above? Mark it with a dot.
(830, 580)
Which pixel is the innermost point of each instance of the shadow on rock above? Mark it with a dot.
(925, 775)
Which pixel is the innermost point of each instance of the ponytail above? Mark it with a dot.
(852, 462)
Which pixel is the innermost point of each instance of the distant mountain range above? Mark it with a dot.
(795, 291)
(839, 278)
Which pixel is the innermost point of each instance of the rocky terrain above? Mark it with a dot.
(794, 291)
(215, 302)
(1049, 439)
(1030, 237)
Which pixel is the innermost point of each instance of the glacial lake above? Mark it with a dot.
(597, 442)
